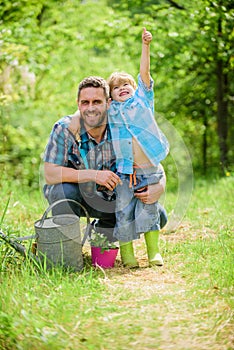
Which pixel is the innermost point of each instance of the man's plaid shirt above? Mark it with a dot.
(65, 150)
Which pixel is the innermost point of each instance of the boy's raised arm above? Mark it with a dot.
(145, 57)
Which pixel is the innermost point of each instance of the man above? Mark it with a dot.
(80, 161)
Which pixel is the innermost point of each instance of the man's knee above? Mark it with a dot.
(105, 225)
(163, 216)
(65, 191)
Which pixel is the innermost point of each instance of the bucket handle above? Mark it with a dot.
(88, 225)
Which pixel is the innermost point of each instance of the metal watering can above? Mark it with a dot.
(58, 239)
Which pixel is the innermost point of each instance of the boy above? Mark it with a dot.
(139, 147)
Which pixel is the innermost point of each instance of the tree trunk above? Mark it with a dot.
(222, 112)
(204, 145)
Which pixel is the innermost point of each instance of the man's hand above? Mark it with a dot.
(155, 191)
(146, 37)
(107, 178)
(152, 194)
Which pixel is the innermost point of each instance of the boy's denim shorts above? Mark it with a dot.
(132, 216)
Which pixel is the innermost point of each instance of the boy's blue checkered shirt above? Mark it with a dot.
(135, 118)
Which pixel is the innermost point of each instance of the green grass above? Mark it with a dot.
(187, 304)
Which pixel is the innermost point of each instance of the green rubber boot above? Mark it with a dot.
(127, 255)
(151, 240)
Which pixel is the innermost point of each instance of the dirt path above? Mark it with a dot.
(167, 307)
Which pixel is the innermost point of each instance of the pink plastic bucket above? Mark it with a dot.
(105, 259)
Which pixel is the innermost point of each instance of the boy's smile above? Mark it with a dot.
(122, 92)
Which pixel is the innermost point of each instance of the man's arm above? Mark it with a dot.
(57, 174)
(145, 57)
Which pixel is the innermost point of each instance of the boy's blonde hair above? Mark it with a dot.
(120, 78)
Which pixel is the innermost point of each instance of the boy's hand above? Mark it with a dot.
(146, 37)
(74, 125)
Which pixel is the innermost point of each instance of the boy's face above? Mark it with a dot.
(121, 91)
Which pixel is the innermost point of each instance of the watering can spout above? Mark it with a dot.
(18, 247)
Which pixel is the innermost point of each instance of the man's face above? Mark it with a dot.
(93, 106)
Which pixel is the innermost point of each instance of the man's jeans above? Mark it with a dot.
(96, 206)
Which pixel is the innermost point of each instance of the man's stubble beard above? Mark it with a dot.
(101, 121)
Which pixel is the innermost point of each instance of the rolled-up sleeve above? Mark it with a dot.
(56, 151)
(146, 93)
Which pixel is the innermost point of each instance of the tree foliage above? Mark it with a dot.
(193, 61)
(47, 47)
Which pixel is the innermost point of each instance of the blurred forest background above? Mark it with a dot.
(48, 46)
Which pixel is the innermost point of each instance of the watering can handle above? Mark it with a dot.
(88, 227)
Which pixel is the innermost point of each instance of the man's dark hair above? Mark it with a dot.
(96, 82)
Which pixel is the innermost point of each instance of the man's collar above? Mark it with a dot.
(85, 136)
